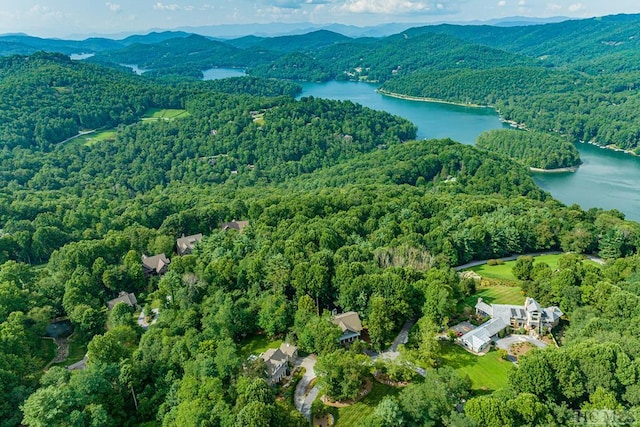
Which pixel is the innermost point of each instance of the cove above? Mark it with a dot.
(607, 179)
(434, 119)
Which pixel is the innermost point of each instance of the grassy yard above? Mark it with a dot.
(92, 139)
(355, 414)
(257, 344)
(164, 114)
(487, 373)
(498, 294)
(502, 273)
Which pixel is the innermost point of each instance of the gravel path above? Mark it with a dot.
(61, 353)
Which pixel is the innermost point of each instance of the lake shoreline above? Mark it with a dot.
(512, 123)
(610, 147)
(424, 99)
(555, 170)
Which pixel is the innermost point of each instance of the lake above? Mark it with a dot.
(434, 119)
(222, 73)
(139, 71)
(607, 179)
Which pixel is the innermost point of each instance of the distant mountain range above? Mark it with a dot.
(229, 31)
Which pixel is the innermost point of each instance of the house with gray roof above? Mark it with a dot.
(126, 297)
(155, 265)
(530, 316)
(234, 225)
(278, 361)
(185, 244)
(350, 325)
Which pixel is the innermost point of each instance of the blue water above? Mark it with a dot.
(434, 120)
(607, 179)
(222, 73)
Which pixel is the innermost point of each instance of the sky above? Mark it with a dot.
(63, 18)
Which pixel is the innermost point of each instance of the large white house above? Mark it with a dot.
(529, 316)
(278, 361)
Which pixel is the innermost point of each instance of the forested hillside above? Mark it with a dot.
(345, 211)
(578, 78)
(533, 149)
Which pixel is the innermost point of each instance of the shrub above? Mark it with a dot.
(504, 355)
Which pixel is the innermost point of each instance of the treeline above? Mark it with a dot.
(599, 109)
(185, 55)
(533, 149)
(47, 98)
(383, 59)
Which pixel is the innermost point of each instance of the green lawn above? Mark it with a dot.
(503, 272)
(355, 414)
(257, 344)
(487, 373)
(164, 114)
(498, 294)
(92, 139)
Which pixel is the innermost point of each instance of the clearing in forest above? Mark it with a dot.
(166, 114)
(94, 138)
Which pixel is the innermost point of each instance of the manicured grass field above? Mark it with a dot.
(256, 345)
(498, 294)
(92, 139)
(355, 414)
(503, 272)
(164, 114)
(497, 272)
(487, 373)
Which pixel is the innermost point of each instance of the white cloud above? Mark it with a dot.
(522, 3)
(113, 7)
(576, 7)
(170, 7)
(553, 6)
(45, 12)
(502, 3)
(296, 4)
(396, 7)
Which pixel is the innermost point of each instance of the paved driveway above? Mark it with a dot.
(302, 398)
(507, 342)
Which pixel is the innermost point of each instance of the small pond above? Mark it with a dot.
(59, 329)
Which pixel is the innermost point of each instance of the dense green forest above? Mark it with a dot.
(577, 78)
(346, 211)
(533, 149)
